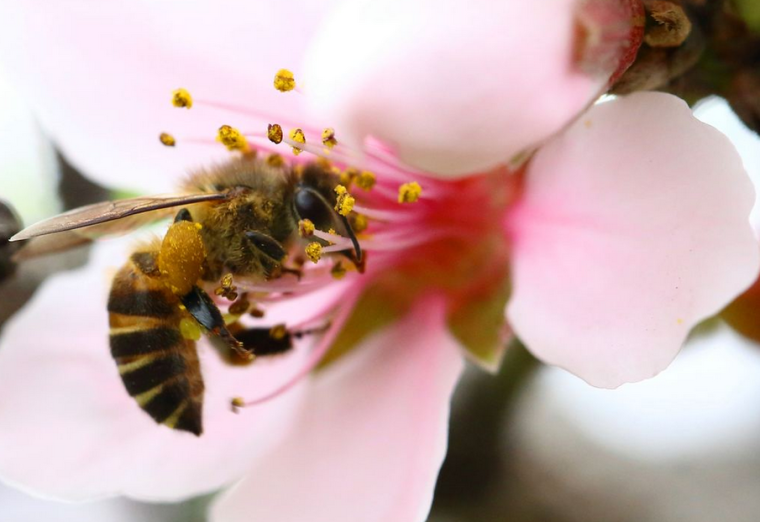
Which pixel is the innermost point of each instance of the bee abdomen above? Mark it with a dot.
(158, 366)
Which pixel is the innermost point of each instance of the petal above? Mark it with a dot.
(100, 76)
(455, 87)
(71, 431)
(633, 228)
(18, 507)
(369, 443)
(28, 167)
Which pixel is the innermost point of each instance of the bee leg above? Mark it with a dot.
(272, 340)
(266, 244)
(266, 341)
(205, 311)
(183, 215)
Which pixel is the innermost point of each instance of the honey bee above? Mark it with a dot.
(239, 219)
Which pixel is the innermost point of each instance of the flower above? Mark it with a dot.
(610, 242)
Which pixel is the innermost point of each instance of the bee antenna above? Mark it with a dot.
(352, 236)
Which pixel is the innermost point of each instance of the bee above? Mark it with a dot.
(239, 219)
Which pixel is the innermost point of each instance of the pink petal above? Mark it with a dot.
(634, 227)
(70, 430)
(370, 441)
(455, 87)
(101, 74)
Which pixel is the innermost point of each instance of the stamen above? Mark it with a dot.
(297, 136)
(278, 332)
(181, 98)
(274, 133)
(226, 288)
(360, 223)
(338, 271)
(345, 202)
(328, 138)
(348, 176)
(231, 138)
(240, 306)
(306, 228)
(366, 180)
(409, 192)
(167, 139)
(314, 251)
(284, 80)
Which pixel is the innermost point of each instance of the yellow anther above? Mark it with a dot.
(298, 136)
(274, 133)
(231, 138)
(366, 180)
(306, 228)
(167, 139)
(226, 288)
(181, 98)
(360, 223)
(275, 160)
(328, 138)
(345, 202)
(240, 306)
(237, 403)
(284, 80)
(348, 176)
(189, 329)
(278, 332)
(332, 231)
(314, 251)
(338, 271)
(409, 192)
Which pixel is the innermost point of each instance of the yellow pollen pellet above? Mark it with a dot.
(360, 223)
(274, 133)
(190, 329)
(366, 180)
(345, 202)
(314, 251)
(167, 139)
(284, 80)
(231, 138)
(328, 138)
(409, 192)
(181, 98)
(306, 228)
(298, 136)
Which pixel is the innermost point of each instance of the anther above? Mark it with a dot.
(306, 228)
(226, 288)
(237, 403)
(345, 202)
(278, 332)
(258, 313)
(297, 136)
(232, 138)
(348, 176)
(360, 223)
(409, 192)
(338, 271)
(275, 160)
(314, 251)
(274, 133)
(284, 80)
(240, 306)
(366, 180)
(181, 98)
(167, 139)
(328, 138)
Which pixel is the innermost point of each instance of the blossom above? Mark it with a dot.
(626, 227)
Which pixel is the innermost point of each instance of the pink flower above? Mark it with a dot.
(620, 234)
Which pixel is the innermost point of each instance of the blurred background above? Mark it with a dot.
(530, 444)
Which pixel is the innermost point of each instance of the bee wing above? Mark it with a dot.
(109, 217)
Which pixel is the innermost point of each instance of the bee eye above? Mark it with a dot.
(310, 205)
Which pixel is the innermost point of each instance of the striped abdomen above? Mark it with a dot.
(158, 366)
